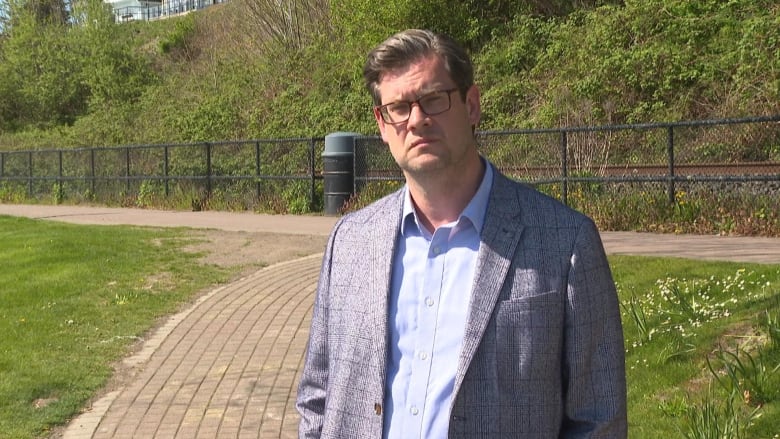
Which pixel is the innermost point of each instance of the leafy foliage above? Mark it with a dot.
(40, 72)
(220, 74)
(115, 74)
(179, 36)
(56, 71)
(297, 73)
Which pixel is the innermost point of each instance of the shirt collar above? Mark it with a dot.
(474, 211)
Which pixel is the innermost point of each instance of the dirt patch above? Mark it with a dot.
(249, 251)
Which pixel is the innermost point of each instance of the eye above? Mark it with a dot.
(434, 99)
(398, 108)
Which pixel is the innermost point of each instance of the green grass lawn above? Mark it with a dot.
(702, 347)
(74, 298)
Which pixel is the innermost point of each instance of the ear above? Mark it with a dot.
(380, 123)
(473, 108)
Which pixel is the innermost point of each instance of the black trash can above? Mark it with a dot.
(338, 170)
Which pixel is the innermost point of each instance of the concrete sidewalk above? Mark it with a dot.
(228, 365)
(739, 249)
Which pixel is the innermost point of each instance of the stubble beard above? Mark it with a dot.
(440, 169)
(425, 166)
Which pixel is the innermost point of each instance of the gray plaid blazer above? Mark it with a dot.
(543, 350)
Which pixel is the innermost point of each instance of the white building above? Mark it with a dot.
(127, 10)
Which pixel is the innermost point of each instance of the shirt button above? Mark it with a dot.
(436, 250)
(414, 411)
(429, 301)
(423, 356)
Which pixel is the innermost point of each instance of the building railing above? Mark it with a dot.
(162, 10)
(663, 157)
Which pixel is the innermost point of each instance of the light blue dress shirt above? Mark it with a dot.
(428, 309)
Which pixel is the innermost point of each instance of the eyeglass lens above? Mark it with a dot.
(431, 104)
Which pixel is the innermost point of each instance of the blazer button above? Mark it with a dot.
(378, 409)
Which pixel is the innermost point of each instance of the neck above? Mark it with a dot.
(441, 198)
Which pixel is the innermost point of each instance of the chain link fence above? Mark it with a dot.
(273, 175)
(672, 160)
(735, 155)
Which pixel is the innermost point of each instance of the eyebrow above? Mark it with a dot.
(422, 92)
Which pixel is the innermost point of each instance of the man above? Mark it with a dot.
(465, 305)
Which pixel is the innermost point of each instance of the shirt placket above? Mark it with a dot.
(427, 312)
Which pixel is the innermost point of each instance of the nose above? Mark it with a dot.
(416, 116)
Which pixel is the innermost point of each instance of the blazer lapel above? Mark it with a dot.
(499, 239)
(380, 240)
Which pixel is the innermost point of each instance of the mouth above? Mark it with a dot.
(421, 143)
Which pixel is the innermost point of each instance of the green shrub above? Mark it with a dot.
(57, 193)
(179, 36)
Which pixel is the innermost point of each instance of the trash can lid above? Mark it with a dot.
(340, 143)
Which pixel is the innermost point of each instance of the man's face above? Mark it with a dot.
(426, 143)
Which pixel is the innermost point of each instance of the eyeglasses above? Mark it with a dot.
(433, 103)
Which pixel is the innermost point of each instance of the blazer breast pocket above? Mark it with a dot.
(529, 337)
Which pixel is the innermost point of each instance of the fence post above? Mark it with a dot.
(30, 174)
(257, 170)
(60, 189)
(127, 170)
(312, 176)
(2, 164)
(92, 170)
(208, 170)
(165, 171)
(564, 169)
(670, 152)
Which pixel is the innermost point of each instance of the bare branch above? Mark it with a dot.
(288, 23)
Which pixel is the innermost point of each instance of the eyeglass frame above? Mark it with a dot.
(382, 109)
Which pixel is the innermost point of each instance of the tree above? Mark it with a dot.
(114, 73)
(57, 64)
(40, 69)
(48, 11)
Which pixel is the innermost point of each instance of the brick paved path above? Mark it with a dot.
(225, 368)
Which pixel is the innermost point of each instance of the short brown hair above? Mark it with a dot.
(409, 46)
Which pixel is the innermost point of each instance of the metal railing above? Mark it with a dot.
(162, 10)
(665, 157)
(251, 168)
(670, 155)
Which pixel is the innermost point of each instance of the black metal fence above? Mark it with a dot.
(667, 158)
(244, 171)
(728, 154)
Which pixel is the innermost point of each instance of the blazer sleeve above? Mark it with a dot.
(594, 364)
(310, 401)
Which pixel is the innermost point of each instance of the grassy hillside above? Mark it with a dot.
(254, 69)
(220, 74)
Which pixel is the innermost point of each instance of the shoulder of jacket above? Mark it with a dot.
(534, 205)
(379, 210)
